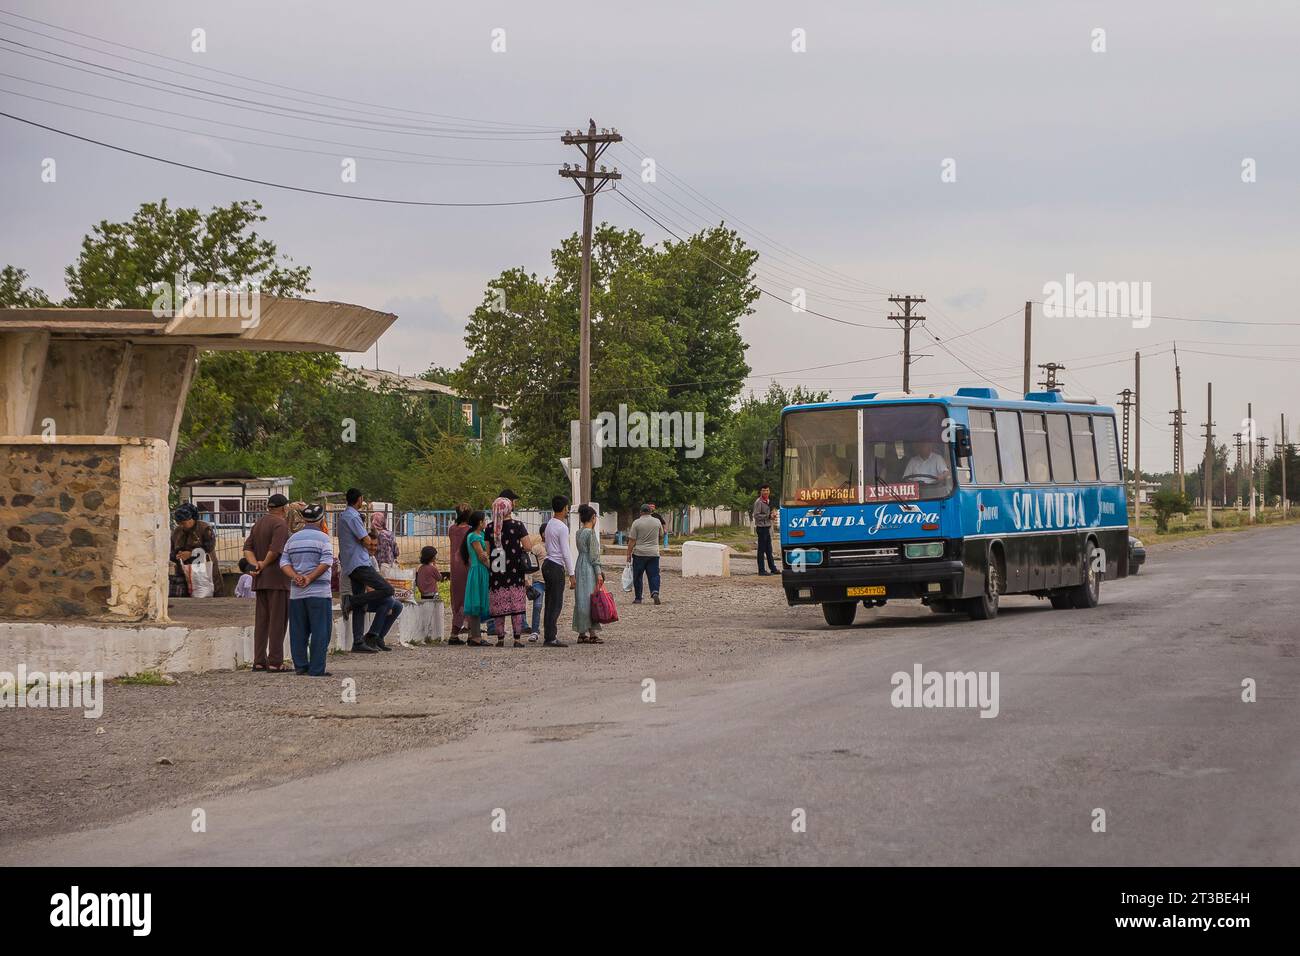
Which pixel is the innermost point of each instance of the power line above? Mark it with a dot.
(761, 290)
(226, 138)
(273, 109)
(1179, 318)
(172, 59)
(262, 182)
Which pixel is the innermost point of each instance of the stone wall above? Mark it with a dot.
(81, 520)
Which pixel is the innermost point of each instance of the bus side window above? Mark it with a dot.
(1013, 459)
(984, 445)
(1035, 426)
(1107, 451)
(1058, 439)
(1085, 458)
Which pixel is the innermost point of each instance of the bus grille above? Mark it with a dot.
(850, 556)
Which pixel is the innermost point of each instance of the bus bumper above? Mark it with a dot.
(936, 579)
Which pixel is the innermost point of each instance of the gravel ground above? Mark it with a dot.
(229, 730)
(224, 731)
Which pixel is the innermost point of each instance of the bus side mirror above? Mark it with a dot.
(769, 453)
(962, 440)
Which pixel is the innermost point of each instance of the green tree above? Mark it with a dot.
(757, 419)
(15, 293)
(123, 264)
(1168, 503)
(665, 338)
(449, 468)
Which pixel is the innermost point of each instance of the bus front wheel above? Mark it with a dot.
(1088, 593)
(985, 607)
(841, 614)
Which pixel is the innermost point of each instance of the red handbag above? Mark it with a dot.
(603, 610)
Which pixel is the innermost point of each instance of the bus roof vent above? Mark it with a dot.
(864, 397)
(983, 392)
(1052, 397)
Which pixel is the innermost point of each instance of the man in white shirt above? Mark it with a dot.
(558, 565)
(927, 462)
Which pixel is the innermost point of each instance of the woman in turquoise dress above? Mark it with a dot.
(475, 555)
(588, 574)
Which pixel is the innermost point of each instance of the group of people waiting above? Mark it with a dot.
(498, 569)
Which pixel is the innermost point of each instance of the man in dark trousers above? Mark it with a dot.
(557, 567)
(763, 523)
(354, 561)
(262, 550)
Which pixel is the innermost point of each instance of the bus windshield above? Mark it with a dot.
(902, 458)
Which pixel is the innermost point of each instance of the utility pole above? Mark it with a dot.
(1029, 316)
(1236, 437)
(1137, 440)
(1051, 368)
(1181, 456)
(1262, 441)
(591, 144)
(1250, 457)
(1207, 484)
(1126, 402)
(906, 321)
(1285, 447)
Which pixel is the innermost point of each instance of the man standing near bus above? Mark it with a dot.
(762, 513)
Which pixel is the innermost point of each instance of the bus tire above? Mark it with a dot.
(1087, 594)
(840, 614)
(985, 607)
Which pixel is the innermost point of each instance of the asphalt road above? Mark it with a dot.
(1134, 708)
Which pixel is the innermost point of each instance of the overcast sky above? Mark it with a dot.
(1122, 165)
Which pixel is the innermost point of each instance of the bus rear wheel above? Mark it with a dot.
(1087, 594)
(840, 614)
(985, 607)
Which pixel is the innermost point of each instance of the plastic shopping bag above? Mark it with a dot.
(627, 577)
(201, 576)
(603, 610)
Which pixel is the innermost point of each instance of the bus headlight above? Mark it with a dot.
(930, 549)
(804, 557)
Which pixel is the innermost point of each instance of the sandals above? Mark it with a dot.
(278, 669)
(501, 642)
(455, 640)
(478, 643)
(593, 639)
(519, 643)
(260, 667)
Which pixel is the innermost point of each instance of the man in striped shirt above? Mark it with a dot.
(307, 559)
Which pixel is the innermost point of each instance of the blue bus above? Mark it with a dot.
(954, 500)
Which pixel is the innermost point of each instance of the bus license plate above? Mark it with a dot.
(874, 590)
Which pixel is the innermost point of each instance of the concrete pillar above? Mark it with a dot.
(153, 400)
(82, 386)
(22, 365)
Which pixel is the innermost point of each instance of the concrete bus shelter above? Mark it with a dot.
(91, 402)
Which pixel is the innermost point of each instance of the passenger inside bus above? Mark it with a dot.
(926, 463)
(834, 474)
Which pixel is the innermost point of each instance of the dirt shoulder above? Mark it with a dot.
(224, 730)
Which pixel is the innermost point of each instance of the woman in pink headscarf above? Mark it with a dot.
(508, 570)
(387, 550)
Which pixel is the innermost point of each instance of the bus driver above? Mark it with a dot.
(926, 463)
(833, 475)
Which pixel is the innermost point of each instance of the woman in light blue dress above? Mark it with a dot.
(587, 575)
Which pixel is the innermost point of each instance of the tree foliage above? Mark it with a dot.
(665, 338)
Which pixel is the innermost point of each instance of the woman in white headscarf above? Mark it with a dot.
(508, 571)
